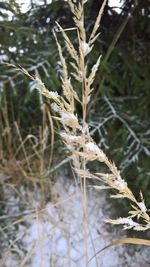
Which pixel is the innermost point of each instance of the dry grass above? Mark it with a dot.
(26, 158)
(75, 133)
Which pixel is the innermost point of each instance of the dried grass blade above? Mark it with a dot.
(127, 240)
(97, 23)
(62, 59)
(69, 44)
(93, 72)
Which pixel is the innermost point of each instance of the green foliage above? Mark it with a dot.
(121, 123)
(119, 117)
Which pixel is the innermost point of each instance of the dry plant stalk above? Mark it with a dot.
(24, 157)
(75, 134)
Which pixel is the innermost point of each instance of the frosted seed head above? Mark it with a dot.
(142, 206)
(69, 119)
(68, 116)
(54, 94)
(91, 147)
(120, 183)
(127, 221)
(55, 107)
(86, 48)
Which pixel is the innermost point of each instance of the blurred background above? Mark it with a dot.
(120, 108)
(35, 174)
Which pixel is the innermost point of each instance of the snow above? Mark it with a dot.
(54, 237)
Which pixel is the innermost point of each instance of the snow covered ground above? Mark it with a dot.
(54, 236)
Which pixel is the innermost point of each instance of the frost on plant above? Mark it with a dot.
(76, 134)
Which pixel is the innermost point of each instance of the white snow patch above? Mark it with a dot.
(56, 237)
